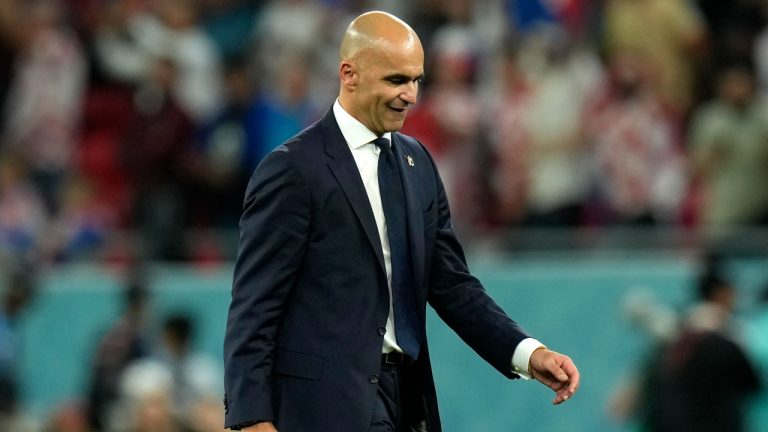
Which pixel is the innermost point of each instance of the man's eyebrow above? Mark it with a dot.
(403, 77)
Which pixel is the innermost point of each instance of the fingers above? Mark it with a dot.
(552, 367)
(561, 396)
(567, 375)
(558, 372)
(571, 384)
(549, 382)
(573, 376)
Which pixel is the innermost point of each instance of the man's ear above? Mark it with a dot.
(348, 74)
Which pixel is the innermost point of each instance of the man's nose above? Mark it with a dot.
(410, 93)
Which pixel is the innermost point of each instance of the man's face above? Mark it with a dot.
(387, 85)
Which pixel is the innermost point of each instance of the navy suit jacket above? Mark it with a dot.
(310, 298)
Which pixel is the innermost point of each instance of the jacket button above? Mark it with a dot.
(382, 331)
(373, 379)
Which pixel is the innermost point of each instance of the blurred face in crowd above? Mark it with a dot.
(177, 14)
(736, 86)
(382, 63)
(726, 297)
(628, 71)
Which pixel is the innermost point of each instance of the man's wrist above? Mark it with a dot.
(530, 372)
(521, 357)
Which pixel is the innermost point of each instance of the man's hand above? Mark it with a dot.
(261, 427)
(555, 371)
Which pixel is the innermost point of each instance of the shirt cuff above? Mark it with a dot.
(522, 356)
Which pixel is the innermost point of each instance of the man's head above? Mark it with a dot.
(382, 62)
(177, 334)
(736, 84)
(19, 292)
(716, 289)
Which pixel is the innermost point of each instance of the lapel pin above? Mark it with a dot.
(410, 160)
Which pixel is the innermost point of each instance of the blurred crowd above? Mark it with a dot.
(147, 117)
(129, 130)
(142, 376)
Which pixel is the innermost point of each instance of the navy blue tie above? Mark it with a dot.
(393, 202)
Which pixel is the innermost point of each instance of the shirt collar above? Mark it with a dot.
(354, 132)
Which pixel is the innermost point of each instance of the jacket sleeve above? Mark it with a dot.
(461, 301)
(273, 235)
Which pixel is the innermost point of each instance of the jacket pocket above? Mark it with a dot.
(299, 365)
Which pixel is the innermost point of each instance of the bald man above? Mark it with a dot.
(345, 237)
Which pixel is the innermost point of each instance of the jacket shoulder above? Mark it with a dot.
(298, 142)
(409, 142)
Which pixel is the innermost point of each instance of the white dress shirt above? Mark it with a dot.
(366, 156)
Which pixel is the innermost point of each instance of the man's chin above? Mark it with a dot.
(394, 127)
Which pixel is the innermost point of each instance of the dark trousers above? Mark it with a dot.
(399, 405)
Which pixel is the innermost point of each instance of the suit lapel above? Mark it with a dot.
(413, 212)
(344, 169)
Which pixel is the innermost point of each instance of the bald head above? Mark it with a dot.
(373, 30)
(382, 63)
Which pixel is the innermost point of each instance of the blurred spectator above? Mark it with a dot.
(125, 342)
(526, 15)
(193, 379)
(155, 153)
(198, 88)
(17, 292)
(120, 53)
(757, 342)
(703, 377)
(206, 415)
(83, 222)
(639, 173)
(667, 34)
(732, 27)
(196, 377)
(227, 152)
(23, 217)
(133, 39)
(510, 140)
(8, 19)
(729, 149)
(429, 16)
(283, 108)
(561, 76)
(228, 23)
(42, 110)
(451, 103)
(145, 401)
(658, 321)
(307, 30)
(69, 417)
(288, 26)
(760, 52)
(251, 124)
(108, 114)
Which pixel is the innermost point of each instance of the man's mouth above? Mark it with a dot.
(399, 110)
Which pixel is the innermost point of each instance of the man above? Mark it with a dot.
(125, 342)
(19, 290)
(706, 346)
(337, 261)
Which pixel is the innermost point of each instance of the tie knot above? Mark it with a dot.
(383, 144)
